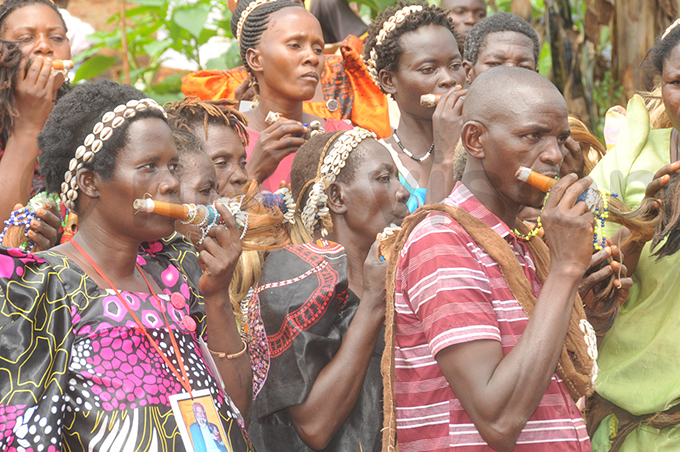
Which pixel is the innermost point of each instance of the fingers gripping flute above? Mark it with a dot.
(205, 217)
(596, 199)
(313, 128)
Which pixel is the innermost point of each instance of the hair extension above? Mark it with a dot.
(192, 112)
(592, 149)
(390, 50)
(255, 24)
(476, 39)
(10, 57)
(656, 108)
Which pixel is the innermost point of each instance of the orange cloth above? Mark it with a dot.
(344, 79)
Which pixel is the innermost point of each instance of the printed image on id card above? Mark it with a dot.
(199, 423)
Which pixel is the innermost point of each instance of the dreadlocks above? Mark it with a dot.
(10, 56)
(190, 113)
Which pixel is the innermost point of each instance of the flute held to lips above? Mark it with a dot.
(60, 65)
(430, 100)
(592, 196)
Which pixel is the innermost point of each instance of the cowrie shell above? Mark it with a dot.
(97, 146)
(80, 151)
(117, 122)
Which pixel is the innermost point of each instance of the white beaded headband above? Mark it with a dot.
(330, 165)
(390, 25)
(94, 142)
(246, 12)
(670, 28)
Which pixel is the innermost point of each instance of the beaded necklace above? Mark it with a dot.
(529, 235)
(601, 215)
(407, 152)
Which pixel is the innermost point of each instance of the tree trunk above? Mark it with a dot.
(636, 25)
(566, 45)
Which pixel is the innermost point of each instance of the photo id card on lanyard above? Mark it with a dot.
(199, 422)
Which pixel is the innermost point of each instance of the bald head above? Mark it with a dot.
(496, 92)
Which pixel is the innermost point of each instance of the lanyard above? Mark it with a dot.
(184, 379)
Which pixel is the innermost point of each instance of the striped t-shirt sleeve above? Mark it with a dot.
(447, 287)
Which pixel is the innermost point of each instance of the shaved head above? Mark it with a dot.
(496, 91)
(512, 118)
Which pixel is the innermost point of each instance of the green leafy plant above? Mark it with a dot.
(154, 26)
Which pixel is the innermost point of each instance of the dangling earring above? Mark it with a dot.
(256, 92)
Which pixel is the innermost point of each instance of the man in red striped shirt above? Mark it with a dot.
(473, 372)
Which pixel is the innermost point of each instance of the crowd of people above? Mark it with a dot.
(307, 254)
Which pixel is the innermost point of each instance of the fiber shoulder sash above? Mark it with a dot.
(574, 366)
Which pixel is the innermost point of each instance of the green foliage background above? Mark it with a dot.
(154, 26)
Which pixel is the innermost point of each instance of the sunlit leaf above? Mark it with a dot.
(93, 67)
(192, 19)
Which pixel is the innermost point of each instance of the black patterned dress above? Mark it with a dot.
(76, 372)
(307, 307)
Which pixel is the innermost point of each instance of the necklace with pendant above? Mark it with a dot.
(407, 152)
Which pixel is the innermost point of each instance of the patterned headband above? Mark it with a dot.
(94, 142)
(246, 12)
(670, 28)
(330, 164)
(390, 25)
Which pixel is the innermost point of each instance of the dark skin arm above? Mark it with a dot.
(500, 393)
(34, 94)
(447, 124)
(218, 257)
(336, 389)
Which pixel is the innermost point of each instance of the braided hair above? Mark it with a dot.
(9, 6)
(74, 117)
(390, 50)
(255, 24)
(476, 39)
(191, 113)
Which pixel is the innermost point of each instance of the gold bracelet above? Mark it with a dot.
(233, 355)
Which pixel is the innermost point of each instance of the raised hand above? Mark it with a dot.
(274, 144)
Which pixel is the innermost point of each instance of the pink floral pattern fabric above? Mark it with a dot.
(76, 372)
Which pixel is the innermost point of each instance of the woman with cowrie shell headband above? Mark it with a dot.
(133, 322)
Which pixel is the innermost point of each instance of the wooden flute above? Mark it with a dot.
(430, 100)
(591, 196)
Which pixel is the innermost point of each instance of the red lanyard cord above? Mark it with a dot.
(183, 381)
